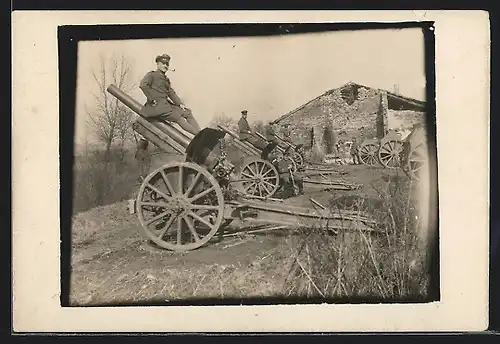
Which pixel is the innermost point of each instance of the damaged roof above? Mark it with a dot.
(415, 104)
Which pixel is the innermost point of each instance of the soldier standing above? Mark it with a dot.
(141, 153)
(355, 152)
(162, 101)
(246, 133)
(286, 133)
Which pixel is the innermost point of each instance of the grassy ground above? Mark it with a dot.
(113, 264)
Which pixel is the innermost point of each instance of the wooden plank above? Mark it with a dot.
(251, 149)
(143, 126)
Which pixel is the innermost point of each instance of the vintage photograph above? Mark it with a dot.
(287, 168)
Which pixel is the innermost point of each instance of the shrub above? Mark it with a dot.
(359, 265)
(99, 181)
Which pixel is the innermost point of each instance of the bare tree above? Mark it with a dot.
(224, 120)
(110, 120)
(259, 127)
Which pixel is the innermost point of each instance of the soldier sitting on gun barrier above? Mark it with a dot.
(162, 101)
(271, 133)
(246, 133)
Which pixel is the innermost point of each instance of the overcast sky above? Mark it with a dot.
(268, 76)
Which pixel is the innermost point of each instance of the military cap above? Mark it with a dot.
(164, 58)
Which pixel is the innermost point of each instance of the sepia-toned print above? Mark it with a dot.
(291, 168)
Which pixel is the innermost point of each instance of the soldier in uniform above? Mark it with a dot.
(355, 152)
(162, 101)
(141, 153)
(246, 133)
(286, 133)
(271, 133)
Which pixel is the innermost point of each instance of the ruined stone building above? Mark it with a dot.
(352, 110)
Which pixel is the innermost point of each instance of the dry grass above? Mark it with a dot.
(311, 264)
(97, 183)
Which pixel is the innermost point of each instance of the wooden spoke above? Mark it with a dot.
(262, 169)
(166, 227)
(265, 174)
(179, 230)
(178, 213)
(389, 153)
(191, 228)
(202, 194)
(204, 207)
(180, 180)
(266, 182)
(154, 204)
(167, 183)
(157, 217)
(193, 184)
(265, 187)
(199, 218)
(265, 178)
(250, 185)
(155, 189)
(249, 170)
(247, 175)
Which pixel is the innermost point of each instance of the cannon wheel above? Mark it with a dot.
(368, 152)
(260, 177)
(297, 157)
(416, 161)
(180, 206)
(389, 153)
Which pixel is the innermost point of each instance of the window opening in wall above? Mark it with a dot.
(350, 94)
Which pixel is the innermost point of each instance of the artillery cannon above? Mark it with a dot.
(182, 204)
(392, 151)
(415, 155)
(386, 151)
(284, 156)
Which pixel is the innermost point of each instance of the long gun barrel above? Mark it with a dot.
(173, 133)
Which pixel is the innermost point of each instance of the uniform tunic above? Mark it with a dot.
(286, 135)
(270, 134)
(157, 87)
(249, 137)
(244, 128)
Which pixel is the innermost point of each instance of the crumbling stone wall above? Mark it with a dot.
(353, 112)
(404, 119)
(357, 119)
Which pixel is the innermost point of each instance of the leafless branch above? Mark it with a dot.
(110, 120)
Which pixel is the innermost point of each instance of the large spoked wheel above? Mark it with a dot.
(297, 157)
(368, 153)
(389, 153)
(417, 162)
(259, 178)
(180, 206)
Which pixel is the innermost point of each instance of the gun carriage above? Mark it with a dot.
(392, 151)
(415, 155)
(316, 178)
(182, 204)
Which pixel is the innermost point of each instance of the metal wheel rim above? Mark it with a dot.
(266, 172)
(416, 162)
(187, 220)
(368, 154)
(299, 161)
(389, 153)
